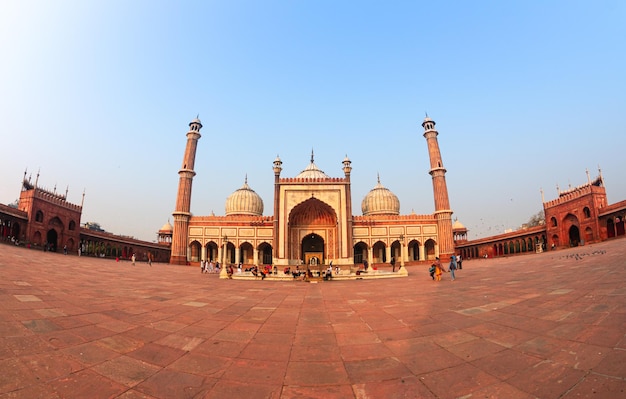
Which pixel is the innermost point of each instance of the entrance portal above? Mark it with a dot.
(313, 249)
(574, 236)
(51, 239)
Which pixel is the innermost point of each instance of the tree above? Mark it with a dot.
(537, 219)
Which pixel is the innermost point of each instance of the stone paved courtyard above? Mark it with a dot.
(548, 325)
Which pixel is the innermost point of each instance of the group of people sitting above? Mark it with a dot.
(209, 267)
(264, 271)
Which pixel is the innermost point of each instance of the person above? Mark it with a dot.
(329, 272)
(452, 267)
(365, 264)
(393, 264)
(229, 271)
(432, 271)
(438, 269)
(132, 258)
(337, 270)
(64, 249)
(202, 267)
(459, 262)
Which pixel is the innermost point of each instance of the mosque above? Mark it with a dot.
(312, 221)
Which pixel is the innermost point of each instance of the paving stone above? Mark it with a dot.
(94, 328)
(126, 370)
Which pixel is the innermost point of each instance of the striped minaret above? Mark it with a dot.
(183, 200)
(443, 213)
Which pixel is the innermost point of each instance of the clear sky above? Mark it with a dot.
(98, 95)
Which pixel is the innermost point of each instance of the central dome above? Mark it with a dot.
(312, 171)
(380, 201)
(244, 201)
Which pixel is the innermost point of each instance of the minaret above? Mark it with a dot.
(443, 213)
(277, 169)
(183, 199)
(347, 168)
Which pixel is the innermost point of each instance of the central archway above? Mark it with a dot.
(312, 232)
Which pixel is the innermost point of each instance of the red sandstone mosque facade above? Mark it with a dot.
(313, 220)
(578, 216)
(44, 219)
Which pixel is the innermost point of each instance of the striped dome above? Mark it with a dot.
(380, 201)
(244, 201)
(167, 227)
(312, 171)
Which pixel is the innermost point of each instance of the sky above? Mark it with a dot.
(96, 97)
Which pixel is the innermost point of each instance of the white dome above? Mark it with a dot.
(167, 227)
(457, 225)
(244, 201)
(380, 201)
(312, 171)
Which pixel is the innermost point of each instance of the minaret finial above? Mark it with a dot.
(600, 173)
(83, 200)
(66, 190)
(426, 113)
(311, 155)
(542, 197)
(246, 180)
(378, 177)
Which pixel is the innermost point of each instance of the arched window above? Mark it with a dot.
(587, 212)
(553, 220)
(72, 225)
(39, 216)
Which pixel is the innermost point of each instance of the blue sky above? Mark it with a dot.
(97, 95)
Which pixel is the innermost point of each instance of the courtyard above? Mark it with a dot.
(548, 325)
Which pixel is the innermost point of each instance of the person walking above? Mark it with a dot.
(438, 269)
(452, 267)
(133, 259)
(459, 262)
(393, 264)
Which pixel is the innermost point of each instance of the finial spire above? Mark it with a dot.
(378, 177)
(600, 173)
(311, 155)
